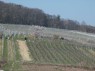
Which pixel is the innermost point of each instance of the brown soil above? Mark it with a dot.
(46, 67)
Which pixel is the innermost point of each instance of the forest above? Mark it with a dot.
(17, 14)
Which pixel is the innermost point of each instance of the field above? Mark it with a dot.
(50, 51)
(26, 52)
(81, 37)
(44, 53)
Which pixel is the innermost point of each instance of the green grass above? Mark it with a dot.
(49, 51)
(14, 64)
(0, 49)
(17, 53)
(5, 50)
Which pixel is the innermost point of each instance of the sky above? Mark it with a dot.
(80, 10)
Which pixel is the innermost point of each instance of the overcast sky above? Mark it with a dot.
(80, 10)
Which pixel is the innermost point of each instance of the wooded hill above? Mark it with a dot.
(17, 14)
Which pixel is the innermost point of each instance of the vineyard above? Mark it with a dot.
(50, 51)
(27, 52)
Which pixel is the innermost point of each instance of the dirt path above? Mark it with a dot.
(24, 51)
(45, 67)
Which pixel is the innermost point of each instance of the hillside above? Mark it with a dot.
(81, 37)
(22, 50)
(18, 14)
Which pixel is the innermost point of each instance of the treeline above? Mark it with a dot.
(17, 14)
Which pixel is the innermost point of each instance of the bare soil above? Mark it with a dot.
(24, 51)
(46, 67)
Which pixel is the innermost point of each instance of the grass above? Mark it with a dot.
(5, 50)
(0, 49)
(17, 53)
(11, 52)
(11, 55)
